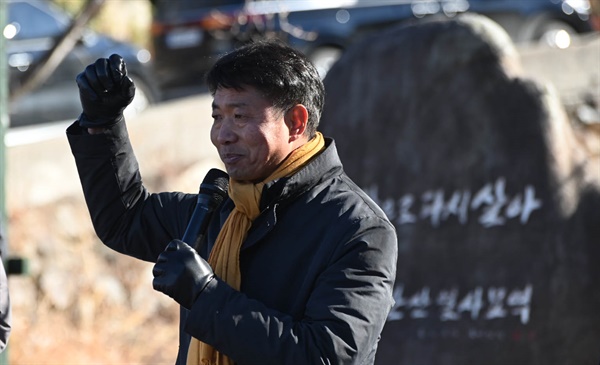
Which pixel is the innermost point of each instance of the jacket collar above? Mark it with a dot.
(283, 190)
(278, 193)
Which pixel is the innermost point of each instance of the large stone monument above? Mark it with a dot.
(495, 198)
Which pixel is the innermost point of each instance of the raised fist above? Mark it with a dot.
(105, 90)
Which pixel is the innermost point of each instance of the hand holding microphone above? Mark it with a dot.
(180, 272)
(105, 91)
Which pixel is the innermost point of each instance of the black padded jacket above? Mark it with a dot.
(318, 265)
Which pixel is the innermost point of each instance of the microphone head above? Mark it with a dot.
(215, 184)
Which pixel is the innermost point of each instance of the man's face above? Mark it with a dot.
(251, 135)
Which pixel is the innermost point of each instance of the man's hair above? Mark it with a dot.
(284, 75)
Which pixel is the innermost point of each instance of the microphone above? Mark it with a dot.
(212, 192)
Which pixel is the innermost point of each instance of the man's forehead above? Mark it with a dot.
(236, 97)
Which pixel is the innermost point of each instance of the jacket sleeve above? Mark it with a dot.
(126, 217)
(342, 321)
(5, 309)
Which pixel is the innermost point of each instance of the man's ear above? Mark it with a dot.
(296, 118)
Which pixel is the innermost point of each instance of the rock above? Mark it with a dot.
(495, 198)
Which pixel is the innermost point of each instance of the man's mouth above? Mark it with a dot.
(230, 158)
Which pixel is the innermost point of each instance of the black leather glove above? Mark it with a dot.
(181, 273)
(105, 90)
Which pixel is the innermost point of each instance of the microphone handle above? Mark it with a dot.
(193, 235)
(213, 190)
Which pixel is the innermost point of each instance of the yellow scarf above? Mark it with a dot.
(225, 255)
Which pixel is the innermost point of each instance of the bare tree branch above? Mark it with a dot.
(41, 70)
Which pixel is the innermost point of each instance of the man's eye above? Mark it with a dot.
(216, 117)
(238, 116)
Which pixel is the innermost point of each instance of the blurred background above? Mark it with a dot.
(75, 301)
(160, 38)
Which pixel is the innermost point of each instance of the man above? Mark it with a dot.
(5, 307)
(301, 263)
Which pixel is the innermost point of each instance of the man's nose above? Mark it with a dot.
(226, 133)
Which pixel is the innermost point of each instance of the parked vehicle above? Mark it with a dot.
(189, 35)
(551, 22)
(31, 31)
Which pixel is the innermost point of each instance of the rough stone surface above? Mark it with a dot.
(495, 195)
